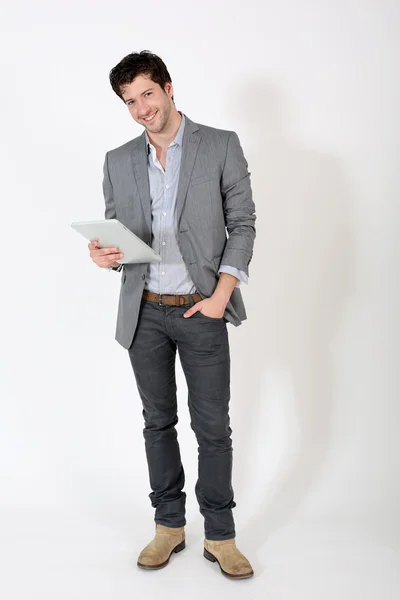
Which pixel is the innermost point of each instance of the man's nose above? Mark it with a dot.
(144, 110)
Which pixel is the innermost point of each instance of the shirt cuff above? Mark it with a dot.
(241, 275)
(118, 269)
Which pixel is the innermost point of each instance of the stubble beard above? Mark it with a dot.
(163, 115)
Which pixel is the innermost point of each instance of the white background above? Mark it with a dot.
(312, 89)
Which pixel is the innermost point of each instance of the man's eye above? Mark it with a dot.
(148, 94)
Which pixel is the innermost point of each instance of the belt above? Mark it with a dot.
(169, 299)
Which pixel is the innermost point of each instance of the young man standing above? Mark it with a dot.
(180, 187)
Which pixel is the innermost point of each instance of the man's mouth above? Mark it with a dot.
(150, 118)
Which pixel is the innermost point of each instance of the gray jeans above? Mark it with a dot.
(203, 347)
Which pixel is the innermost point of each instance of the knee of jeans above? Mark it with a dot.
(217, 434)
(156, 421)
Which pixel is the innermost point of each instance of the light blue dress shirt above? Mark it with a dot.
(170, 276)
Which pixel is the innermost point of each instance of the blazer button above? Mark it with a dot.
(143, 276)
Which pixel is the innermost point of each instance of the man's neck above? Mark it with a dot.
(163, 140)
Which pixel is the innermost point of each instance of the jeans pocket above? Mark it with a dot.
(209, 318)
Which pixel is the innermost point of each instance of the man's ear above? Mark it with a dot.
(169, 89)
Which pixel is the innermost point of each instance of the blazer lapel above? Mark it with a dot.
(190, 146)
(139, 159)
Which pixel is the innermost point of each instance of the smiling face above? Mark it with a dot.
(148, 103)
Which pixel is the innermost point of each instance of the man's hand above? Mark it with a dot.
(214, 307)
(210, 307)
(104, 257)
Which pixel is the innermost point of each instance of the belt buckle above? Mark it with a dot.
(160, 300)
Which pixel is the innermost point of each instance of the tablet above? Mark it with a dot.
(111, 233)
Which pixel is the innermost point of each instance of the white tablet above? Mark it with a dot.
(111, 233)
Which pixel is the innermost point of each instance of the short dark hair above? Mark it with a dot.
(138, 63)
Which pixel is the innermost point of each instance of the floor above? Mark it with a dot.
(60, 555)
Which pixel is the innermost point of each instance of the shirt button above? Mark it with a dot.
(162, 273)
(163, 243)
(165, 214)
(167, 186)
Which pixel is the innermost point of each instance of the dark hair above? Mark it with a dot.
(138, 63)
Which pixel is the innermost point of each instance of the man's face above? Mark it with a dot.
(146, 99)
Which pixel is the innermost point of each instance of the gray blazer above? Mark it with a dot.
(213, 198)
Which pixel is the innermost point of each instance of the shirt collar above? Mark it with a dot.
(178, 138)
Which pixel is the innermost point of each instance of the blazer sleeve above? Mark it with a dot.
(239, 208)
(109, 200)
(108, 193)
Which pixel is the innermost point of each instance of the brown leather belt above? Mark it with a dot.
(170, 300)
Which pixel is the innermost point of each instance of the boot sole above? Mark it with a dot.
(213, 559)
(177, 549)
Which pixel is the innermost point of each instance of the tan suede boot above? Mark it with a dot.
(231, 562)
(166, 541)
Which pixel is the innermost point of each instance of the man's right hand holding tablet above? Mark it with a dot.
(104, 257)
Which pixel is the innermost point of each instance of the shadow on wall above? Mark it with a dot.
(301, 278)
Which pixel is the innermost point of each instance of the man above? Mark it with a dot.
(180, 187)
